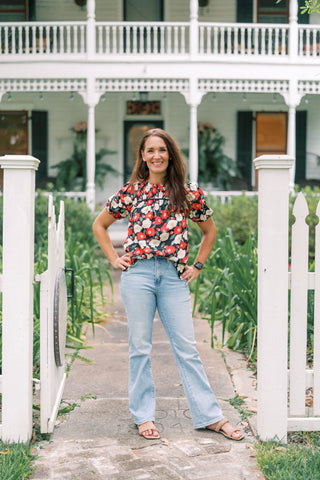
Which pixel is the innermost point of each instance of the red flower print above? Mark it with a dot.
(147, 250)
(182, 245)
(149, 215)
(184, 223)
(164, 228)
(149, 202)
(177, 230)
(138, 251)
(136, 217)
(158, 220)
(159, 252)
(130, 231)
(170, 249)
(141, 236)
(138, 193)
(196, 206)
(150, 232)
(164, 214)
(130, 189)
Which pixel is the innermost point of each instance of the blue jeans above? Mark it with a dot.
(146, 286)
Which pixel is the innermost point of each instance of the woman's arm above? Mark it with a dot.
(100, 227)
(208, 229)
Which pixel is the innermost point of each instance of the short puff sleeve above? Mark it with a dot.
(198, 208)
(119, 205)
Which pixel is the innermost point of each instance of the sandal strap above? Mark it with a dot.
(220, 424)
(147, 426)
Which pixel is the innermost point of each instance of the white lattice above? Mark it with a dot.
(43, 85)
(254, 86)
(309, 86)
(142, 84)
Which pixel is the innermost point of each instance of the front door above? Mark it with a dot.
(271, 134)
(133, 132)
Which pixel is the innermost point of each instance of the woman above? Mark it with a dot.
(155, 275)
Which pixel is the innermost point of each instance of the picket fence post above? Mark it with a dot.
(17, 296)
(273, 225)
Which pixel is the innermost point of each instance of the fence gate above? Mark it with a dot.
(53, 322)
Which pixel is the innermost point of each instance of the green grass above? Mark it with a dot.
(15, 461)
(294, 462)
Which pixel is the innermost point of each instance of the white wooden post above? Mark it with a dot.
(273, 225)
(194, 33)
(17, 299)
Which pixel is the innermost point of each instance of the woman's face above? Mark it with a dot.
(156, 156)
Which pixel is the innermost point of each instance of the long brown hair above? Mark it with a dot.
(176, 171)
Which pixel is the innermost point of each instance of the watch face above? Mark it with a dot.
(198, 265)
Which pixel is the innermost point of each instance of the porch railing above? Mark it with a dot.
(43, 38)
(309, 41)
(234, 40)
(135, 38)
(243, 39)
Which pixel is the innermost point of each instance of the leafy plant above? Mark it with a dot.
(214, 167)
(15, 461)
(74, 169)
(226, 292)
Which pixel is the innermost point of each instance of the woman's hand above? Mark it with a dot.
(122, 262)
(190, 273)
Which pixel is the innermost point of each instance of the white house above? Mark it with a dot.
(251, 68)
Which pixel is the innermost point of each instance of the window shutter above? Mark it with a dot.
(32, 10)
(301, 145)
(39, 136)
(245, 11)
(244, 144)
(303, 18)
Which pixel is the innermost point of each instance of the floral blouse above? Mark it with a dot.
(152, 229)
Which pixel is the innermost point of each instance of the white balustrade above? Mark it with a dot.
(243, 39)
(42, 38)
(137, 38)
(156, 38)
(309, 41)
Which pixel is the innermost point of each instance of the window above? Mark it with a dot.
(13, 132)
(13, 10)
(271, 12)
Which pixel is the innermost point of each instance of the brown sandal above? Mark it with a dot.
(220, 425)
(144, 427)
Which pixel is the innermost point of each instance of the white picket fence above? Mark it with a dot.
(283, 391)
(17, 382)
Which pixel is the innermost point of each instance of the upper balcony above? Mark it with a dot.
(125, 41)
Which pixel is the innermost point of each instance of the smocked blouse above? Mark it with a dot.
(153, 230)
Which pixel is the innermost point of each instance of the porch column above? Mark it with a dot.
(91, 26)
(293, 29)
(193, 141)
(17, 297)
(91, 157)
(194, 37)
(292, 99)
(193, 98)
(91, 98)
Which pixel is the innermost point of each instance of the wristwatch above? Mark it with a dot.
(198, 265)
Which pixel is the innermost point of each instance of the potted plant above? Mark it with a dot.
(72, 172)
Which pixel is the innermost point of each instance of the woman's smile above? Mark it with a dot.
(156, 156)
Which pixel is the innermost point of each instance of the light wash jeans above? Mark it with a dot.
(151, 284)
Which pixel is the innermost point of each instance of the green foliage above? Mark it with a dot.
(311, 6)
(288, 463)
(226, 291)
(75, 167)
(15, 461)
(241, 216)
(214, 167)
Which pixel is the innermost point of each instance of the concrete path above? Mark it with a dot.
(98, 439)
